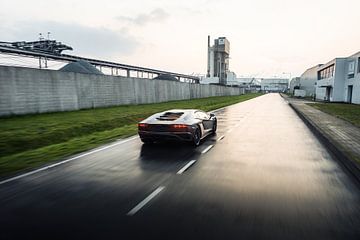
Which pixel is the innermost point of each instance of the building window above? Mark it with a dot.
(326, 72)
(351, 69)
(332, 70)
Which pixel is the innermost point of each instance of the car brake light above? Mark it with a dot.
(180, 126)
(142, 126)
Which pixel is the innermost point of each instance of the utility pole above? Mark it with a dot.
(40, 39)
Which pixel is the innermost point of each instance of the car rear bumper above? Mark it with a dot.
(162, 136)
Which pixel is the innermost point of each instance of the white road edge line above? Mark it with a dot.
(220, 138)
(186, 167)
(66, 161)
(207, 149)
(219, 109)
(145, 201)
(83, 155)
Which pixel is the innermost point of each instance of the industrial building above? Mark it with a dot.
(274, 84)
(250, 84)
(339, 80)
(294, 84)
(306, 82)
(218, 71)
(217, 61)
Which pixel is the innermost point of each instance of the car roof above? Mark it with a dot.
(185, 113)
(182, 110)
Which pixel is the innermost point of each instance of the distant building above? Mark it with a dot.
(274, 84)
(294, 84)
(249, 84)
(209, 80)
(306, 81)
(339, 80)
(218, 61)
(231, 78)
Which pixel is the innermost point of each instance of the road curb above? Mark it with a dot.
(345, 161)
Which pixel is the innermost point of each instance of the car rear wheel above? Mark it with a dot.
(196, 137)
(214, 128)
(147, 141)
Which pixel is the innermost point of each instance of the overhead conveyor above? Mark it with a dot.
(51, 50)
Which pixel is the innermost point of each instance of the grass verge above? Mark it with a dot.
(348, 112)
(30, 141)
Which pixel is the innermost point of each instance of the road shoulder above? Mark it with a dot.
(339, 136)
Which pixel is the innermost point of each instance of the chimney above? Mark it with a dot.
(208, 58)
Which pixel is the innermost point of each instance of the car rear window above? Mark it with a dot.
(170, 116)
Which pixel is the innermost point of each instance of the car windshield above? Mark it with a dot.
(170, 116)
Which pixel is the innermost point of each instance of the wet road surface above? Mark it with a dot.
(264, 175)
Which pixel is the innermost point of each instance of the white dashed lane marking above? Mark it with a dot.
(189, 164)
(220, 138)
(207, 149)
(145, 201)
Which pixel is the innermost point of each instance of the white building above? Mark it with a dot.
(306, 81)
(274, 84)
(339, 80)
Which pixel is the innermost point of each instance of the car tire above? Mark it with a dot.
(214, 128)
(147, 141)
(196, 137)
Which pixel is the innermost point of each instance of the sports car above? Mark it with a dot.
(189, 125)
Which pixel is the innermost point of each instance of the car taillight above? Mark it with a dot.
(179, 127)
(143, 126)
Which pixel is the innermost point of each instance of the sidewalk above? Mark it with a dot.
(340, 136)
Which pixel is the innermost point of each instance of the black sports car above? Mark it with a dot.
(190, 125)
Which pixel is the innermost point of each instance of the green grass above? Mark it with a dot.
(348, 112)
(30, 141)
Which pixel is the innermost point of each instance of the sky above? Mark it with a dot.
(267, 37)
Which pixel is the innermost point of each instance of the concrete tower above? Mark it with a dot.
(218, 59)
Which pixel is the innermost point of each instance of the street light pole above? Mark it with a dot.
(289, 74)
(289, 77)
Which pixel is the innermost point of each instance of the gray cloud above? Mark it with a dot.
(87, 41)
(156, 15)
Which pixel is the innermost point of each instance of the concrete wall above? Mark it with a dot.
(26, 90)
(339, 81)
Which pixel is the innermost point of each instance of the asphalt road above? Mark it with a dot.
(264, 175)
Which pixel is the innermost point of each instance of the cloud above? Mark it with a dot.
(156, 15)
(99, 42)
